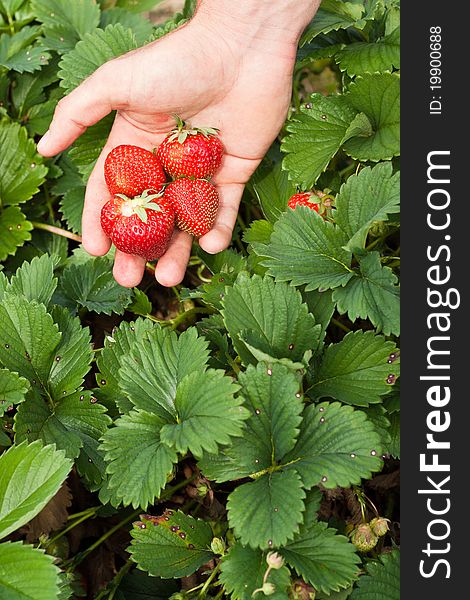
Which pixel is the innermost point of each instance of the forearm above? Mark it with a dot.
(267, 20)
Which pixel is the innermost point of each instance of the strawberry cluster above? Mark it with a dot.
(145, 208)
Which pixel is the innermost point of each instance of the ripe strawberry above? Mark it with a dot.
(191, 152)
(141, 225)
(195, 202)
(130, 170)
(304, 199)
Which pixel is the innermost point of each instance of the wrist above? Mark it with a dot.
(251, 22)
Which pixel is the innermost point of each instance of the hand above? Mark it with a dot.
(214, 72)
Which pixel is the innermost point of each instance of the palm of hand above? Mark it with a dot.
(208, 81)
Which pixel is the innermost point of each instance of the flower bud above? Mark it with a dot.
(268, 589)
(202, 490)
(380, 526)
(218, 546)
(364, 538)
(274, 560)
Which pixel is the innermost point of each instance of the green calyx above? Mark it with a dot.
(183, 129)
(140, 204)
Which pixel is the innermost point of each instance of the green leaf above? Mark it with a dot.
(272, 188)
(382, 581)
(394, 431)
(21, 174)
(21, 52)
(139, 463)
(342, 595)
(305, 249)
(315, 135)
(265, 513)
(29, 90)
(355, 370)
(378, 97)
(156, 364)
(138, 5)
(10, 6)
(371, 57)
(12, 389)
(74, 424)
(39, 117)
(73, 355)
(27, 573)
(171, 546)
(228, 261)
(140, 304)
(92, 51)
(365, 198)
(372, 294)
(337, 446)
(71, 207)
(115, 347)
(243, 570)
(14, 230)
(322, 307)
(271, 316)
(275, 407)
(30, 475)
(92, 286)
(65, 22)
(140, 25)
(331, 16)
(139, 586)
(207, 413)
(35, 280)
(322, 558)
(28, 338)
(258, 231)
(86, 150)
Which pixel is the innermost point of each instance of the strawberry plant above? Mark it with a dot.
(235, 436)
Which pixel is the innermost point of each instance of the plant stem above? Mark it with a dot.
(73, 563)
(181, 318)
(340, 325)
(209, 580)
(113, 586)
(57, 231)
(84, 516)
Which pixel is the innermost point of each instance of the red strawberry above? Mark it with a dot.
(304, 199)
(141, 225)
(195, 202)
(130, 170)
(191, 152)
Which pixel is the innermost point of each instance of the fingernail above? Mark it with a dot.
(43, 141)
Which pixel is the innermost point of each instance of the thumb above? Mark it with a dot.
(92, 100)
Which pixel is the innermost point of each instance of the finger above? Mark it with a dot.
(92, 100)
(220, 236)
(128, 269)
(171, 267)
(94, 239)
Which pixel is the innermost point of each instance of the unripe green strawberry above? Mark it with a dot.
(380, 526)
(218, 546)
(364, 538)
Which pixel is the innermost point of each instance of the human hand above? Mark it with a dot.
(220, 70)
